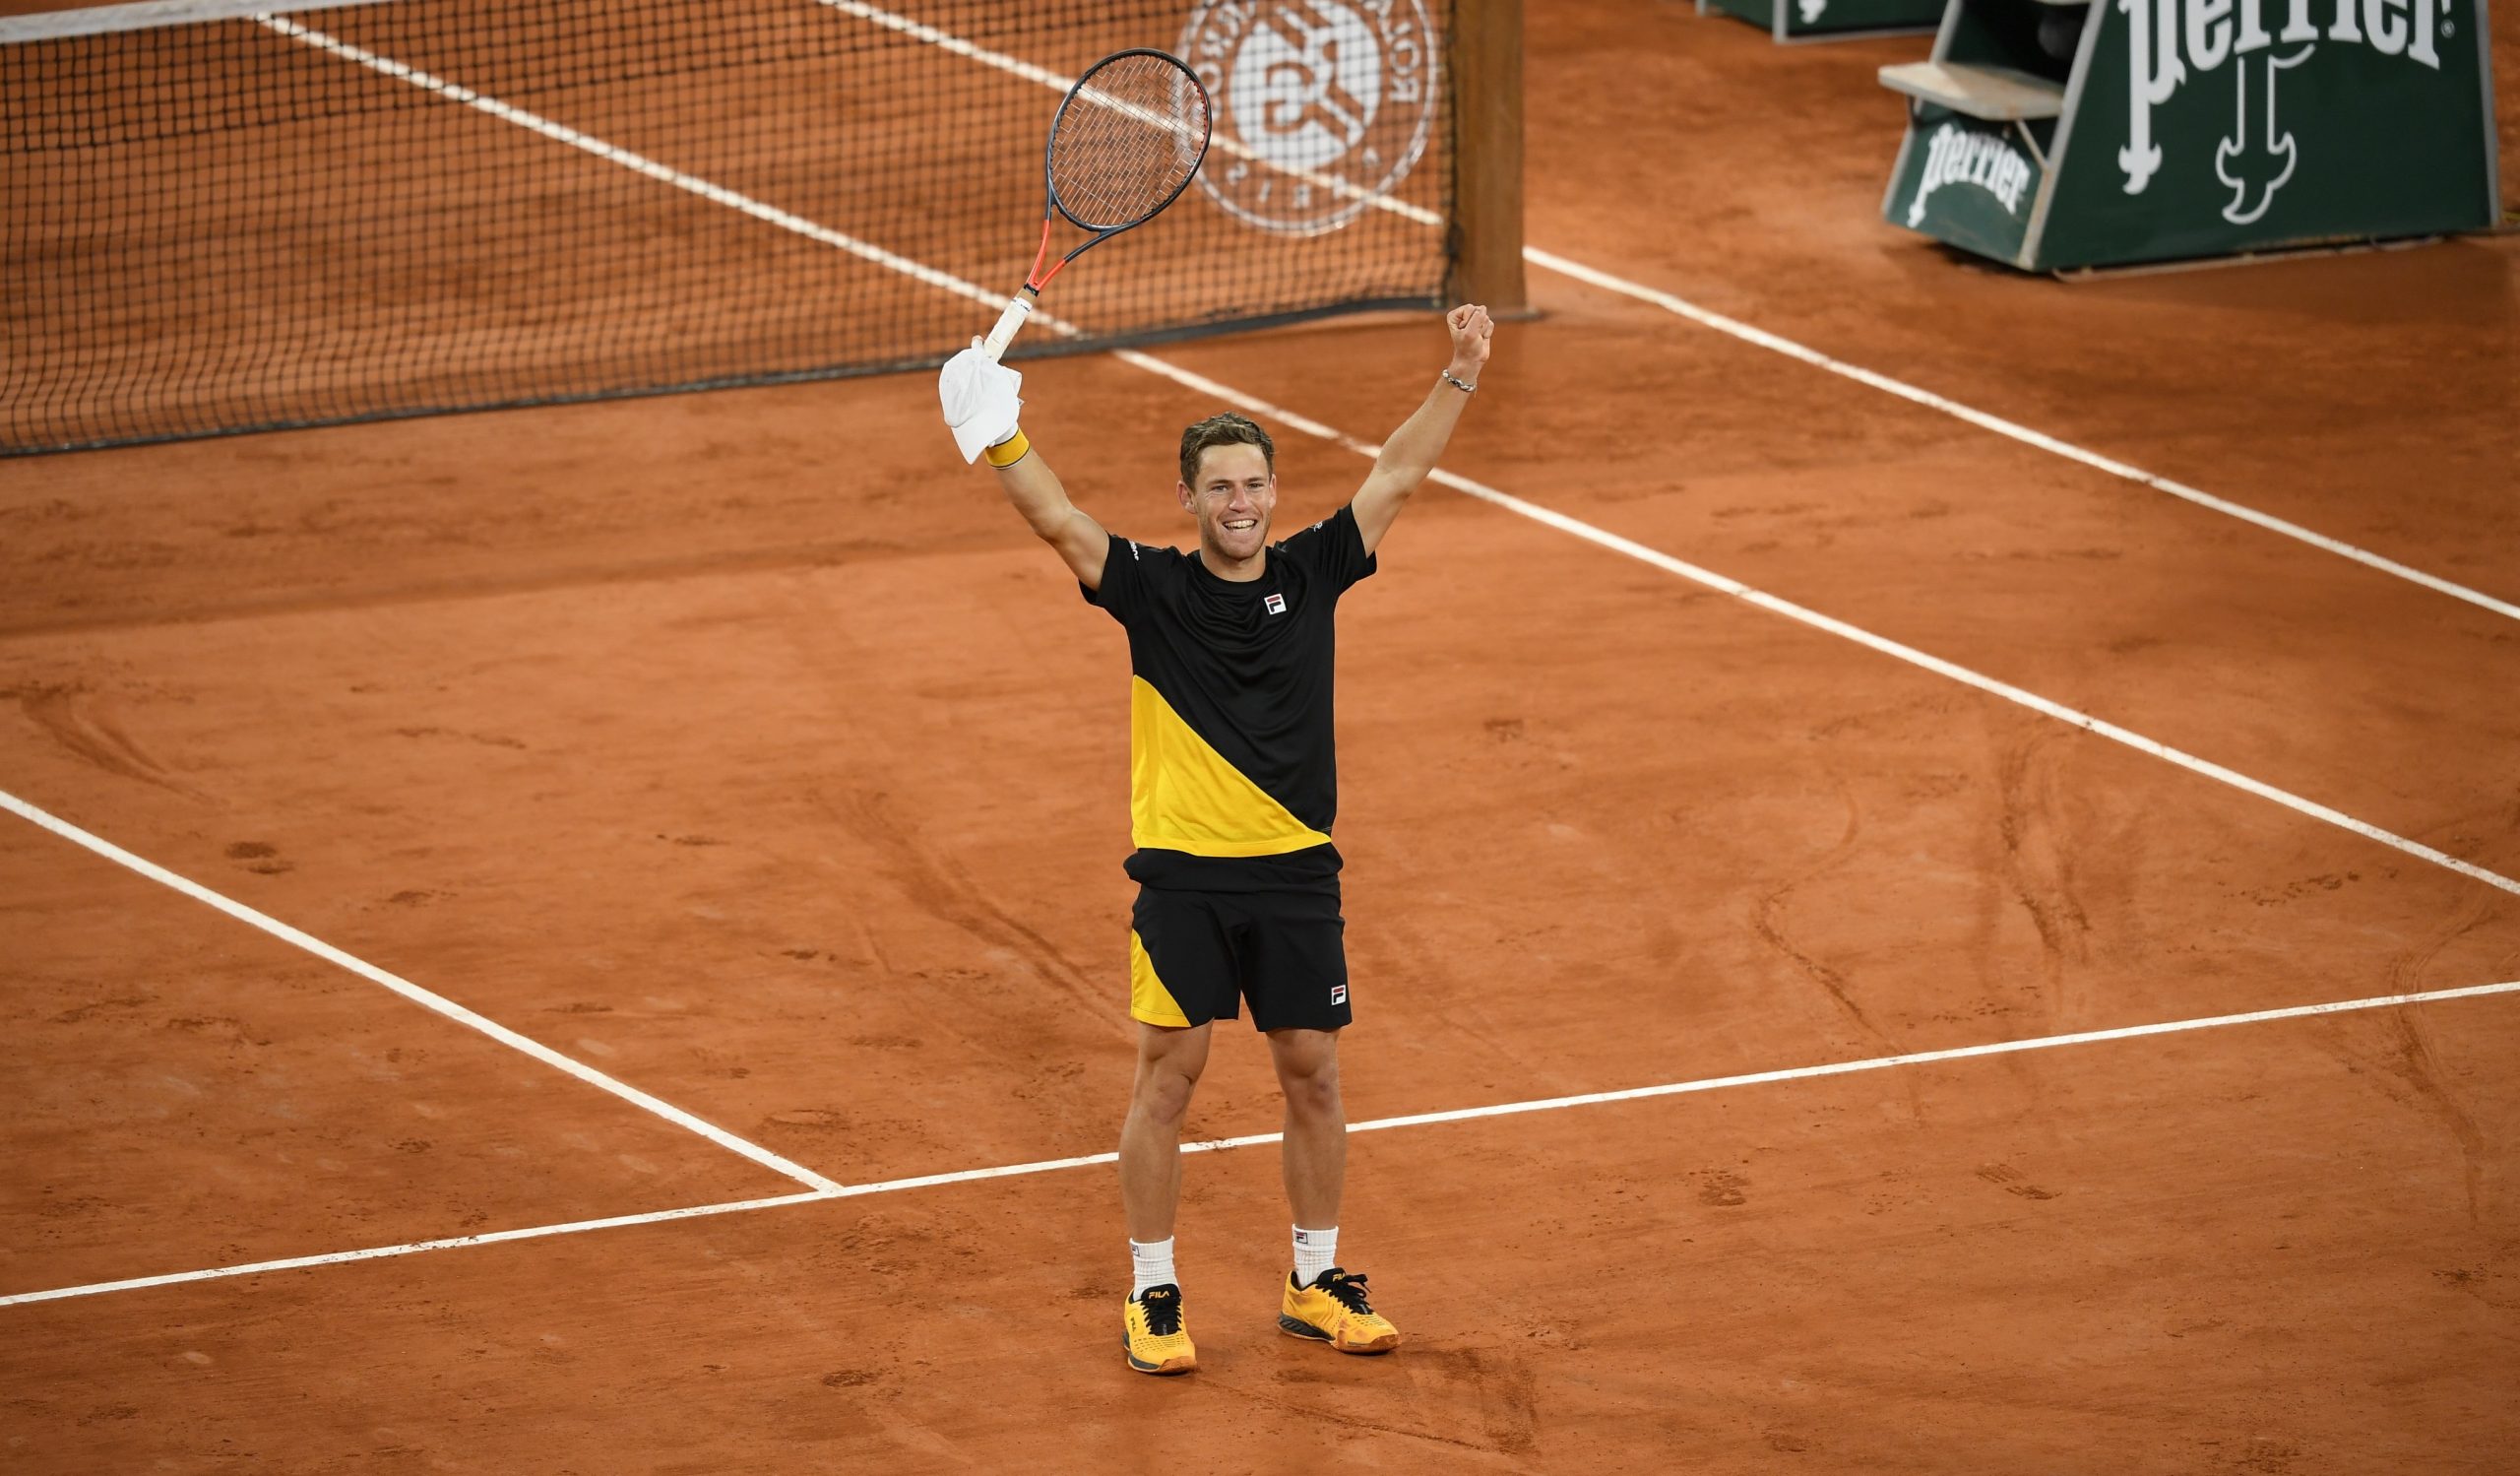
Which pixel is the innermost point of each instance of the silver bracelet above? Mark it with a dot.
(1466, 389)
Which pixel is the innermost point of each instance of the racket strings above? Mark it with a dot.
(1127, 142)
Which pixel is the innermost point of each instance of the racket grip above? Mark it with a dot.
(1018, 308)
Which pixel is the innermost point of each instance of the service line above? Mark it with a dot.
(425, 999)
(1219, 1145)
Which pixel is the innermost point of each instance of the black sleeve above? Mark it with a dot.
(1126, 570)
(1333, 549)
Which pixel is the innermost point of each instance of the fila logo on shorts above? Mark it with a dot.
(1338, 994)
(1276, 603)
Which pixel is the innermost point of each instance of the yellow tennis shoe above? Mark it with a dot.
(1153, 1332)
(1332, 1311)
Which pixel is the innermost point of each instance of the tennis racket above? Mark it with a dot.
(1124, 144)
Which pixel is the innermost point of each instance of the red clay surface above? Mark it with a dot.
(747, 749)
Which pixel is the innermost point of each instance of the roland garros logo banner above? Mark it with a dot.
(1323, 106)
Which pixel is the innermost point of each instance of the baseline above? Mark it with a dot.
(1378, 1125)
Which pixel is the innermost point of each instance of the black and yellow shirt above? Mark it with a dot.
(1233, 774)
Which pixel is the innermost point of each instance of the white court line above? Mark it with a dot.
(1758, 337)
(1836, 627)
(637, 162)
(716, 194)
(382, 1253)
(1378, 1125)
(1563, 522)
(1963, 674)
(2004, 428)
(413, 993)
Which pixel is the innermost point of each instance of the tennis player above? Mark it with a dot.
(1232, 790)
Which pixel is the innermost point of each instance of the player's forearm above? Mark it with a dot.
(1418, 443)
(1412, 451)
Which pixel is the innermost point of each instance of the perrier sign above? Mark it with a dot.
(2199, 128)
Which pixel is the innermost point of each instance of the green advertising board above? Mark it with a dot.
(2199, 128)
(1814, 20)
(1975, 181)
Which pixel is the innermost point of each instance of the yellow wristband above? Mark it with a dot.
(1009, 451)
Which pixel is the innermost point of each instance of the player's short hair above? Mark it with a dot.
(1224, 429)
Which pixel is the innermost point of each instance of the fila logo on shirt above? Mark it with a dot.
(1275, 604)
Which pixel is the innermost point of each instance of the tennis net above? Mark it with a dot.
(222, 216)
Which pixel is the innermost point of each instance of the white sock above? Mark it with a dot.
(1316, 1252)
(1150, 1263)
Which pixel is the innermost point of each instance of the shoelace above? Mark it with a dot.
(1163, 1310)
(1349, 1289)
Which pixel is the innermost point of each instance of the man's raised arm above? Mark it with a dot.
(981, 407)
(1036, 493)
(1412, 451)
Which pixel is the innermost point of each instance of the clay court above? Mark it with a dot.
(653, 970)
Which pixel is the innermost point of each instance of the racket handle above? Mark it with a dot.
(1018, 308)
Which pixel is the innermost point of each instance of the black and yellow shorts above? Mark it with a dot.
(1193, 956)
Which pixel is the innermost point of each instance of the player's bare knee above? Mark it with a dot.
(1310, 1082)
(1313, 1098)
(1163, 1090)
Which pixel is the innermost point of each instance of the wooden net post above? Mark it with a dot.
(1488, 156)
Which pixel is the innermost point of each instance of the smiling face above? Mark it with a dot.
(1235, 494)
